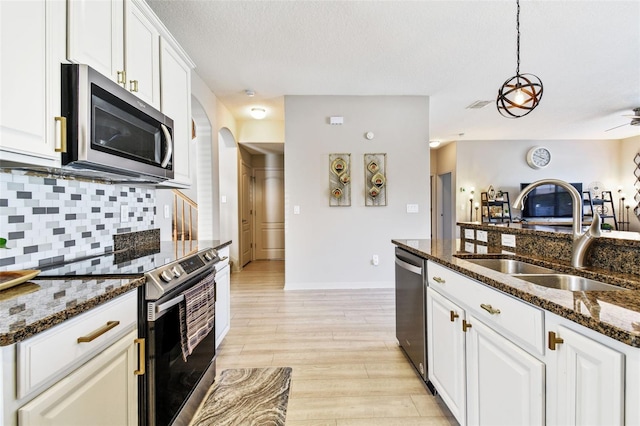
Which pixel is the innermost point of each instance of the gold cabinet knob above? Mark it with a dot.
(453, 316)
(465, 326)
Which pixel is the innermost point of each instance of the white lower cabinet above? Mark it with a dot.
(446, 352)
(482, 377)
(586, 379)
(223, 295)
(505, 384)
(104, 391)
(497, 360)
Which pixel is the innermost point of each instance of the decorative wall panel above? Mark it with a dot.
(375, 179)
(340, 180)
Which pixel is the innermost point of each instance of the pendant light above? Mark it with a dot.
(520, 94)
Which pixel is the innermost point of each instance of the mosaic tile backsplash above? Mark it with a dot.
(48, 220)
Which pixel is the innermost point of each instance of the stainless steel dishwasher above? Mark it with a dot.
(411, 325)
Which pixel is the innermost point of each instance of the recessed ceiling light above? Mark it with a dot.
(258, 113)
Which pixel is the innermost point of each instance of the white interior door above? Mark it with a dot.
(269, 218)
(246, 215)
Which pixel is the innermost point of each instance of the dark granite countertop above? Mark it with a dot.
(619, 313)
(34, 306)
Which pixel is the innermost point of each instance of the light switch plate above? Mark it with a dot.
(412, 208)
(296, 209)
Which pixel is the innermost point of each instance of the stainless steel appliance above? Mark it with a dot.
(411, 325)
(111, 131)
(173, 387)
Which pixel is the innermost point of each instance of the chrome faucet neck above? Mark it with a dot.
(581, 241)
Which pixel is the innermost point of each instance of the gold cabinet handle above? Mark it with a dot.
(62, 134)
(122, 77)
(465, 326)
(439, 280)
(453, 316)
(99, 332)
(133, 85)
(490, 309)
(553, 341)
(141, 357)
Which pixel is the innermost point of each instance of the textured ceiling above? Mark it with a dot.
(587, 54)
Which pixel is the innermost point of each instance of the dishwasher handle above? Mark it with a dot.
(409, 267)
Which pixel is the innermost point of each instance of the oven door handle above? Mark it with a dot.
(166, 305)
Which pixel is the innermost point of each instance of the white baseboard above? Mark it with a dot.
(339, 285)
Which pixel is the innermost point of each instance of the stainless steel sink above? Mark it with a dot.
(511, 266)
(568, 282)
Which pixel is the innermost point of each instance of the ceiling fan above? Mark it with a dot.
(635, 119)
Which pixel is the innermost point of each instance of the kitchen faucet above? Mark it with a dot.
(581, 241)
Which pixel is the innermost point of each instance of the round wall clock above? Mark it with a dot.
(538, 157)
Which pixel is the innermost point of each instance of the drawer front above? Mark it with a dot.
(517, 320)
(52, 353)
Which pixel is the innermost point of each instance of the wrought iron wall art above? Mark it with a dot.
(636, 173)
(339, 180)
(375, 179)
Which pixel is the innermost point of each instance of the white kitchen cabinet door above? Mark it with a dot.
(32, 43)
(505, 384)
(142, 55)
(104, 391)
(96, 36)
(176, 104)
(446, 352)
(589, 381)
(223, 303)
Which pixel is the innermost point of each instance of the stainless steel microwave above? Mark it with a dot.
(111, 132)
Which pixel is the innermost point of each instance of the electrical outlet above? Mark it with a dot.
(375, 260)
(124, 213)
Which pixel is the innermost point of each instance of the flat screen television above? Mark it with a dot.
(549, 202)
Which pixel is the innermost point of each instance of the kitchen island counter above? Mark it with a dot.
(618, 316)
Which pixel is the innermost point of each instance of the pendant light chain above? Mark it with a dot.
(518, 38)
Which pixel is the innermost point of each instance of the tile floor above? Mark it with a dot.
(347, 367)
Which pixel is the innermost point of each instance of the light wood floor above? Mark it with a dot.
(347, 367)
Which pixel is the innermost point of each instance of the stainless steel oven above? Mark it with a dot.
(174, 385)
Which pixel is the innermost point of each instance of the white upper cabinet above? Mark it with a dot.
(33, 46)
(117, 39)
(96, 36)
(176, 103)
(142, 55)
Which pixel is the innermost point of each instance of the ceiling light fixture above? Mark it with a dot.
(250, 93)
(258, 113)
(434, 144)
(520, 94)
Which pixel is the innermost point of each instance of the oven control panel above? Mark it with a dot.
(164, 278)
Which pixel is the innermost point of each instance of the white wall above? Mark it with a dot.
(270, 131)
(332, 247)
(503, 165)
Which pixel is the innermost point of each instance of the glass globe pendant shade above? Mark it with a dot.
(519, 95)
